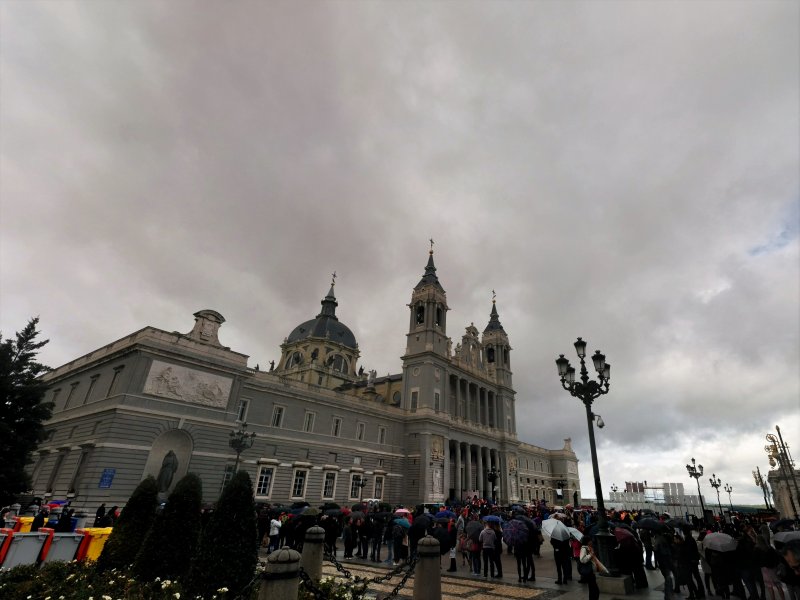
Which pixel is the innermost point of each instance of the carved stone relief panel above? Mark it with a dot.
(189, 385)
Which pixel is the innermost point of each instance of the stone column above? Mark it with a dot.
(446, 468)
(459, 481)
(280, 580)
(427, 573)
(425, 477)
(468, 470)
(480, 476)
(311, 559)
(484, 406)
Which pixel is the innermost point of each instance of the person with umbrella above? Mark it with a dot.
(473, 531)
(498, 547)
(587, 563)
(662, 548)
(487, 540)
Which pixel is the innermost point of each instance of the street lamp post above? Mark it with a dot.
(715, 482)
(696, 471)
(240, 441)
(729, 488)
(763, 485)
(587, 391)
(361, 483)
(492, 476)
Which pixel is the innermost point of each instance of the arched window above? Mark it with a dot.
(490, 354)
(295, 359)
(338, 363)
(439, 314)
(420, 313)
(505, 356)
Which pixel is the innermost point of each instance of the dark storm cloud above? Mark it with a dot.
(626, 172)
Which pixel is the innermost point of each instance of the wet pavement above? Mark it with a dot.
(462, 584)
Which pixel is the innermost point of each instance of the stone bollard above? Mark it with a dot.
(281, 578)
(311, 559)
(428, 573)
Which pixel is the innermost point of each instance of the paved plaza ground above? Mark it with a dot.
(462, 584)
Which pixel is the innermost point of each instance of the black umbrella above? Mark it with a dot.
(334, 512)
(300, 504)
(775, 526)
(473, 530)
(651, 524)
(359, 507)
(445, 541)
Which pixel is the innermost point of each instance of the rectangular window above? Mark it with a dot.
(355, 487)
(380, 462)
(72, 389)
(356, 460)
(241, 410)
(112, 387)
(227, 475)
(508, 424)
(308, 422)
(336, 428)
(76, 476)
(92, 383)
(56, 469)
(381, 435)
(264, 481)
(378, 492)
(414, 400)
(329, 486)
(299, 483)
(360, 429)
(277, 416)
(437, 403)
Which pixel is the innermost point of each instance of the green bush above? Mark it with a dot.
(131, 528)
(228, 550)
(172, 540)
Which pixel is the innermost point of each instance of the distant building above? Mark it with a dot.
(784, 487)
(164, 403)
(658, 497)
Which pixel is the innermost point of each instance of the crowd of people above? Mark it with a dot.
(749, 560)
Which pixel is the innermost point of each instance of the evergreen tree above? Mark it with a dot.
(22, 411)
(228, 550)
(168, 547)
(131, 528)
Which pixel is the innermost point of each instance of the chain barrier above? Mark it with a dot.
(310, 586)
(406, 568)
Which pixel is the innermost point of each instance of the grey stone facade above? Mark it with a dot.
(166, 403)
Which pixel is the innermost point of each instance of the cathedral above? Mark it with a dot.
(315, 427)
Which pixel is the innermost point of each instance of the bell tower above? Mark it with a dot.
(497, 349)
(427, 326)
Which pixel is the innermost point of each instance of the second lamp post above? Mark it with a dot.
(587, 390)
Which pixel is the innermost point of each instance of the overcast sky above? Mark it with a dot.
(622, 171)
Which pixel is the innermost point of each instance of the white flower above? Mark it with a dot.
(107, 597)
(177, 594)
(222, 590)
(157, 579)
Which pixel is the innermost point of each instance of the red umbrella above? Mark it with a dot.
(624, 537)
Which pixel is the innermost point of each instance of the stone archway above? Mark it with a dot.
(168, 460)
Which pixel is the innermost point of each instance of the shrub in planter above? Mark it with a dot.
(228, 550)
(172, 540)
(131, 528)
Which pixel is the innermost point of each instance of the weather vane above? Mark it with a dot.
(493, 296)
(431, 240)
(333, 279)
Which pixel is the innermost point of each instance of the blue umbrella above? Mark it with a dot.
(403, 523)
(493, 518)
(446, 513)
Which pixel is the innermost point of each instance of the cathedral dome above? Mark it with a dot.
(325, 325)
